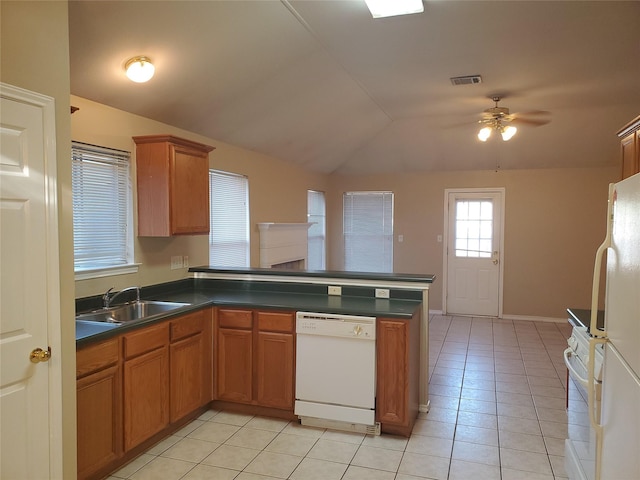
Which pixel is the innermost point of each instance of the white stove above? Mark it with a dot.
(580, 446)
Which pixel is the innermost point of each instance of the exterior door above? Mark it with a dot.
(473, 255)
(29, 289)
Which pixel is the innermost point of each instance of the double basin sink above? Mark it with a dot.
(108, 318)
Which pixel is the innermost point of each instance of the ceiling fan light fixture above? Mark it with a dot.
(484, 134)
(508, 132)
(139, 69)
(391, 8)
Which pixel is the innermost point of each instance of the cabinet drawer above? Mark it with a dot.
(235, 318)
(96, 357)
(187, 325)
(276, 321)
(146, 339)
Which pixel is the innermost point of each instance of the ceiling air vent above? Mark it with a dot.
(466, 80)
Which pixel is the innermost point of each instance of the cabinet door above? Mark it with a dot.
(630, 152)
(275, 370)
(392, 371)
(99, 417)
(235, 364)
(146, 396)
(188, 362)
(189, 192)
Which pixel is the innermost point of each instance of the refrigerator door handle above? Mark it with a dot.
(595, 290)
(597, 427)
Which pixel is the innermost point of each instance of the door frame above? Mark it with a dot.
(501, 191)
(55, 428)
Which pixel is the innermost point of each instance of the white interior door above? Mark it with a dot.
(473, 255)
(29, 288)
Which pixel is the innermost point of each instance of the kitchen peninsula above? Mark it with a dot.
(219, 350)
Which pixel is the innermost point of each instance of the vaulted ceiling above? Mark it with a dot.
(322, 84)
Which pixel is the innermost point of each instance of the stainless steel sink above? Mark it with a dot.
(129, 312)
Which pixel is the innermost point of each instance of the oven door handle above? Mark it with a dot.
(567, 354)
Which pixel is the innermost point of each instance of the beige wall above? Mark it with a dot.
(277, 192)
(554, 221)
(35, 56)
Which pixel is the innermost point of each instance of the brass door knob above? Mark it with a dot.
(39, 355)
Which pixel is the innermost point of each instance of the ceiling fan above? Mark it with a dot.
(499, 119)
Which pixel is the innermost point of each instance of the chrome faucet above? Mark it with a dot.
(107, 299)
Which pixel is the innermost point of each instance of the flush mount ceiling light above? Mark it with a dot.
(390, 8)
(139, 69)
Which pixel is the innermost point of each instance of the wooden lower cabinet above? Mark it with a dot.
(275, 359)
(255, 357)
(397, 374)
(99, 407)
(190, 364)
(135, 387)
(235, 365)
(146, 390)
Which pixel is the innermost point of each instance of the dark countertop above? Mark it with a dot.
(201, 294)
(582, 317)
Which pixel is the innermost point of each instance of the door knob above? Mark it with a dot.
(39, 355)
(495, 262)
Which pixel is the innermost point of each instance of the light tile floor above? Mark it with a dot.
(497, 390)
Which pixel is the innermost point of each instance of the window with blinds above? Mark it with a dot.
(229, 210)
(316, 237)
(368, 231)
(102, 219)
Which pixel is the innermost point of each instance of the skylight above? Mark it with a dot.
(390, 8)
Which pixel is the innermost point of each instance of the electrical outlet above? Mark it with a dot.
(176, 262)
(382, 293)
(185, 261)
(334, 290)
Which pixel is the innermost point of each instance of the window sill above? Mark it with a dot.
(107, 271)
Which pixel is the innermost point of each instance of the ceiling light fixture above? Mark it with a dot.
(139, 69)
(507, 132)
(390, 8)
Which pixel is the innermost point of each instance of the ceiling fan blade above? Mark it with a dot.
(530, 121)
(533, 112)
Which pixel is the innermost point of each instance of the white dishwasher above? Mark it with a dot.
(336, 371)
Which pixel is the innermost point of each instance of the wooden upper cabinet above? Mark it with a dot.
(173, 186)
(630, 142)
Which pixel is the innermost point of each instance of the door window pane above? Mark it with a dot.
(474, 228)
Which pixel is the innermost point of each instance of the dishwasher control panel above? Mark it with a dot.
(351, 326)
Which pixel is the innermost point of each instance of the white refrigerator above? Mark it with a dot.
(618, 429)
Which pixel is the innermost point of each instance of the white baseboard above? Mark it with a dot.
(527, 318)
(533, 318)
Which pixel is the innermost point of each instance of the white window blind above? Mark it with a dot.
(316, 237)
(101, 189)
(229, 234)
(368, 231)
